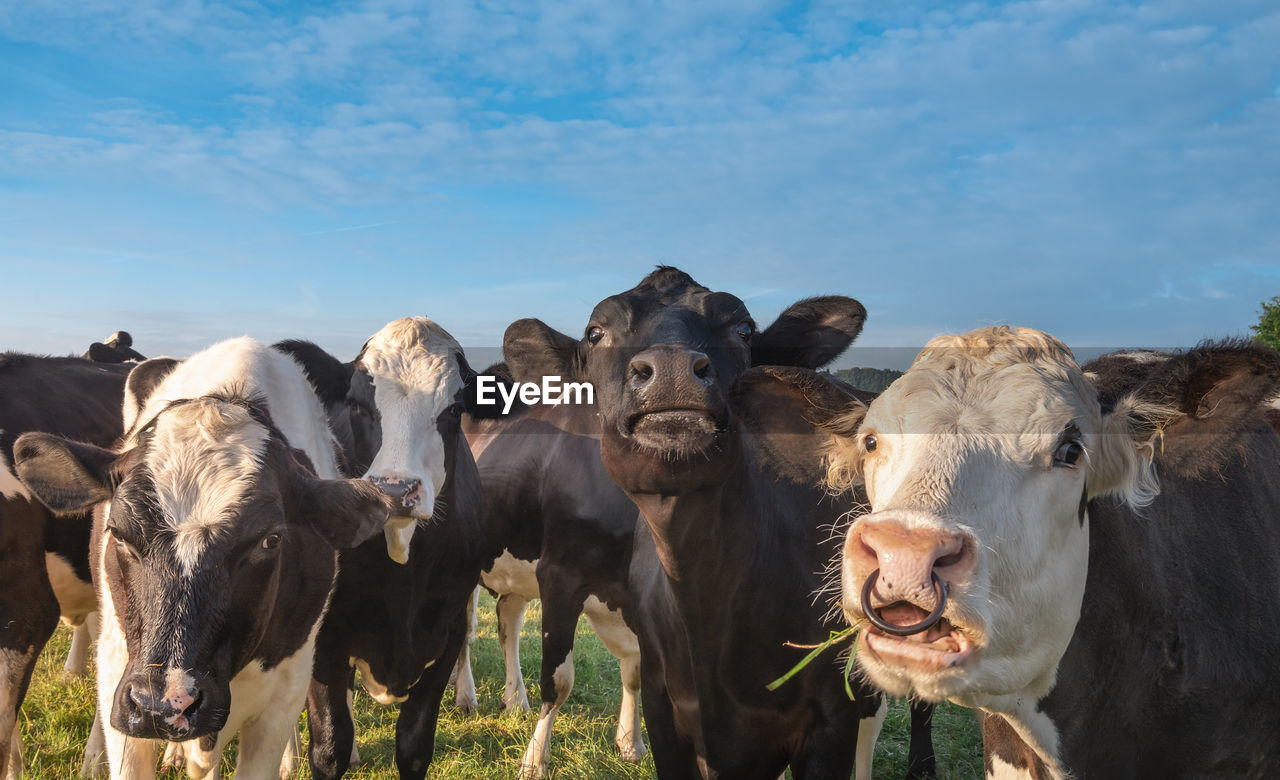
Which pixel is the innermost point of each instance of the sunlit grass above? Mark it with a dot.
(58, 713)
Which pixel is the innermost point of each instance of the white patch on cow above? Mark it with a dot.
(10, 485)
(204, 458)
(511, 608)
(14, 764)
(622, 642)
(868, 733)
(77, 663)
(95, 750)
(374, 688)
(464, 683)
(1003, 770)
(76, 598)
(510, 574)
(127, 757)
(415, 375)
(533, 765)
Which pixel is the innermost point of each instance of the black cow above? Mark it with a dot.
(1126, 636)
(561, 532)
(399, 610)
(731, 546)
(44, 560)
(213, 554)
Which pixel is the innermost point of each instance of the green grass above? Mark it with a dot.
(58, 712)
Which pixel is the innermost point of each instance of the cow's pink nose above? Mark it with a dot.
(907, 558)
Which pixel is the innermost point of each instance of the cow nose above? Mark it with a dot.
(173, 708)
(661, 365)
(908, 560)
(404, 493)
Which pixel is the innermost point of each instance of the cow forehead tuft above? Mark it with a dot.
(416, 353)
(204, 458)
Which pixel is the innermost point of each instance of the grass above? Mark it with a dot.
(58, 712)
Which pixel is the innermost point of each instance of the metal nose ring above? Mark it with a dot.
(939, 587)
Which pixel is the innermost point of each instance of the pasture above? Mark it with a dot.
(57, 714)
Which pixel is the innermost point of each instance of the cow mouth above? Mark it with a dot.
(940, 646)
(673, 429)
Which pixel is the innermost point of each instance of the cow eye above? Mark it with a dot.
(594, 334)
(1068, 454)
(869, 442)
(271, 541)
(125, 548)
(746, 329)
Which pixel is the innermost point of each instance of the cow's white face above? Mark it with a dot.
(978, 464)
(406, 395)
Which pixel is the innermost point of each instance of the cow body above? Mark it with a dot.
(728, 554)
(215, 536)
(1098, 639)
(399, 610)
(44, 559)
(563, 533)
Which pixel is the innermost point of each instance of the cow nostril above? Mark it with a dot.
(701, 366)
(194, 706)
(949, 560)
(642, 370)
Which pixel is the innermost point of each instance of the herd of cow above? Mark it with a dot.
(1086, 555)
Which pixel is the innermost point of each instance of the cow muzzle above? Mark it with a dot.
(172, 705)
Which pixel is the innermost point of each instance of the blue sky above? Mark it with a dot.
(191, 170)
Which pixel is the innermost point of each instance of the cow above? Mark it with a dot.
(731, 544)
(563, 533)
(44, 559)
(1087, 556)
(217, 524)
(399, 609)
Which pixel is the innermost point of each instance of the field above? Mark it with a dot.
(58, 712)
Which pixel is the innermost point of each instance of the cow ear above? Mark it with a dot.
(810, 333)
(141, 383)
(66, 476)
(1187, 414)
(534, 350)
(345, 512)
(797, 419)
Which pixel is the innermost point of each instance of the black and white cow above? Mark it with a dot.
(732, 543)
(399, 610)
(217, 523)
(1133, 636)
(44, 559)
(562, 532)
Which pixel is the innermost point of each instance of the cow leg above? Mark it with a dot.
(15, 762)
(77, 664)
(510, 611)
(922, 764)
(673, 756)
(464, 683)
(562, 602)
(28, 617)
(623, 644)
(868, 734)
(292, 753)
(264, 742)
(351, 713)
(333, 731)
(95, 750)
(416, 726)
(175, 756)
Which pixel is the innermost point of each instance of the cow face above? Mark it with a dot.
(216, 549)
(661, 357)
(406, 402)
(979, 463)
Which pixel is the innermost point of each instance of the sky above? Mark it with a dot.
(190, 171)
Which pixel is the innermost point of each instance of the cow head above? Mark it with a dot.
(661, 357)
(407, 395)
(217, 546)
(979, 464)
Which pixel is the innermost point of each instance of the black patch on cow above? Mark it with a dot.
(329, 376)
(1084, 504)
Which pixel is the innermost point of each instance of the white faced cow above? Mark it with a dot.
(1099, 641)
(216, 530)
(399, 610)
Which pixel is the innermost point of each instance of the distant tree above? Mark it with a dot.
(1268, 328)
(873, 380)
